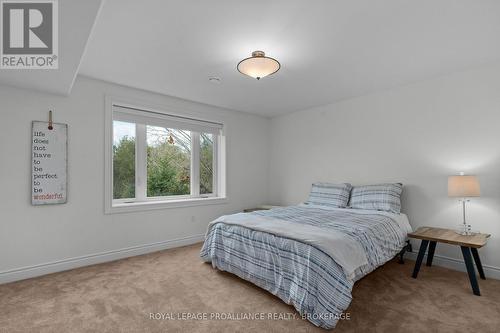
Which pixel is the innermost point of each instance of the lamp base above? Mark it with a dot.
(465, 233)
(465, 230)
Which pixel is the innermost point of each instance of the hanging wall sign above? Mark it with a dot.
(49, 151)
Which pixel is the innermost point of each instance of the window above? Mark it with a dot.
(206, 163)
(168, 161)
(162, 159)
(123, 160)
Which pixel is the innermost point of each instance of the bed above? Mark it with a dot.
(309, 256)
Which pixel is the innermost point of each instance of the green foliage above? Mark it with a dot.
(168, 170)
(124, 169)
(168, 167)
(206, 163)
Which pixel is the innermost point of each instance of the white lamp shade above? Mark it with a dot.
(258, 65)
(463, 186)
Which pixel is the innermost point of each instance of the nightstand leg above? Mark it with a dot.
(421, 253)
(430, 254)
(470, 270)
(475, 254)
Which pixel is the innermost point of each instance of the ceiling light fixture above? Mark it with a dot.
(258, 65)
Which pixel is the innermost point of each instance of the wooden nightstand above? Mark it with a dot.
(262, 207)
(431, 236)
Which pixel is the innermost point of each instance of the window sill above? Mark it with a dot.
(163, 204)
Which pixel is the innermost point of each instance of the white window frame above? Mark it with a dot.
(141, 201)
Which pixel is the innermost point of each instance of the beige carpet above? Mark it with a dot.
(119, 297)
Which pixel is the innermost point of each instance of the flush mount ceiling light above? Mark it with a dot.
(258, 65)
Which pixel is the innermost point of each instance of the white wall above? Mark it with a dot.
(417, 134)
(31, 237)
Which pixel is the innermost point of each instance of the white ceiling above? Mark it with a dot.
(329, 49)
(76, 19)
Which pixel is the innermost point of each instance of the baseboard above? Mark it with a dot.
(97, 258)
(456, 264)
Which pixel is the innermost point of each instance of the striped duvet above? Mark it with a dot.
(299, 273)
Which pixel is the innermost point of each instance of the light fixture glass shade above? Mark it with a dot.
(463, 186)
(258, 65)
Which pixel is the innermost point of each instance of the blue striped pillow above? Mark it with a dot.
(386, 197)
(331, 195)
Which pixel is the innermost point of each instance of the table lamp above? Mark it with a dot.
(463, 187)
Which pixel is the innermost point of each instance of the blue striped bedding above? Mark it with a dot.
(386, 197)
(299, 273)
(327, 194)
